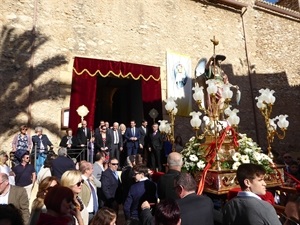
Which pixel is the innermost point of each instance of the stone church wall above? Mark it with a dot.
(262, 50)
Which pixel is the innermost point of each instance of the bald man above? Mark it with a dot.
(83, 133)
(166, 182)
(10, 194)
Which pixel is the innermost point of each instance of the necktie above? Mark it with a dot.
(132, 131)
(95, 200)
(116, 175)
(85, 132)
(69, 142)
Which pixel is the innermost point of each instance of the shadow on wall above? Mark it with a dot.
(287, 102)
(17, 75)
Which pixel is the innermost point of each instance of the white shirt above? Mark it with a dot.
(116, 137)
(248, 194)
(143, 179)
(43, 173)
(4, 198)
(6, 169)
(90, 206)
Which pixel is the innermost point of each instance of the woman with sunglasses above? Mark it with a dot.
(103, 142)
(21, 143)
(73, 180)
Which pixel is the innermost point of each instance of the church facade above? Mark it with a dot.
(41, 41)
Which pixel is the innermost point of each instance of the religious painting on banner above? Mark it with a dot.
(179, 81)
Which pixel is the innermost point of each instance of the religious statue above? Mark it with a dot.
(213, 71)
(214, 80)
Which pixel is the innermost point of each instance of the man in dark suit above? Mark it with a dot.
(155, 148)
(143, 190)
(69, 141)
(16, 196)
(61, 164)
(109, 129)
(83, 134)
(132, 136)
(111, 186)
(86, 140)
(194, 209)
(117, 142)
(143, 141)
(165, 186)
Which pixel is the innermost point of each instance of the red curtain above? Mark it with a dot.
(118, 69)
(84, 85)
(151, 96)
(83, 92)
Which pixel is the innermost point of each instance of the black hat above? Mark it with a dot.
(220, 57)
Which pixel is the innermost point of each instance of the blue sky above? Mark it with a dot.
(272, 1)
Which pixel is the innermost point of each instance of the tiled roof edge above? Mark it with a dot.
(278, 9)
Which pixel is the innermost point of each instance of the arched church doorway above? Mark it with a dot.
(118, 100)
(113, 91)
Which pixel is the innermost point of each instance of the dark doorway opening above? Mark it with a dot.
(118, 100)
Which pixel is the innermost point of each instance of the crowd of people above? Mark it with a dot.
(119, 141)
(91, 192)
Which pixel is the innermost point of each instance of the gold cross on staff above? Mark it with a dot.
(214, 41)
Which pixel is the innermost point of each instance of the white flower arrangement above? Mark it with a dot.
(252, 153)
(193, 156)
(248, 151)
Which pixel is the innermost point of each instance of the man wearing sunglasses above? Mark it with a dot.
(25, 174)
(111, 186)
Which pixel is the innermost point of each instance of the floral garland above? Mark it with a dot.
(194, 155)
